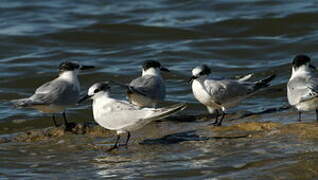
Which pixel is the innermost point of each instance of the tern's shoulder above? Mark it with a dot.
(144, 80)
(121, 105)
(221, 82)
(53, 85)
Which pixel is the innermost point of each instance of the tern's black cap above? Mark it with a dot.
(151, 64)
(101, 86)
(68, 66)
(205, 69)
(300, 60)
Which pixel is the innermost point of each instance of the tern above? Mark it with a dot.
(302, 87)
(56, 95)
(122, 116)
(219, 94)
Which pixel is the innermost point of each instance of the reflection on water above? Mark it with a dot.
(233, 37)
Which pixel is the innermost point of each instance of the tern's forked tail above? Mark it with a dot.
(167, 111)
(19, 103)
(264, 82)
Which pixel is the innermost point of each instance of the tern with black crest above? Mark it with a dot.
(58, 94)
(219, 94)
(122, 116)
(302, 87)
(149, 89)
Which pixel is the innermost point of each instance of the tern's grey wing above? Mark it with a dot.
(58, 92)
(301, 89)
(226, 91)
(150, 86)
(120, 114)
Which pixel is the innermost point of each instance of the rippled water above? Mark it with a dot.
(232, 36)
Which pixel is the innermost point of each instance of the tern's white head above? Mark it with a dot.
(96, 90)
(152, 68)
(200, 72)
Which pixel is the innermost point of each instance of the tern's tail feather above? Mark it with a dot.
(167, 111)
(264, 82)
(245, 77)
(25, 102)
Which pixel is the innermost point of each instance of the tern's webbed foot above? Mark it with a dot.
(69, 126)
(112, 148)
(214, 123)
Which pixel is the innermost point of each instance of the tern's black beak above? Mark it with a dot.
(191, 79)
(82, 99)
(86, 67)
(164, 69)
(312, 66)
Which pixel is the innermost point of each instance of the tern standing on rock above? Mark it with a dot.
(302, 87)
(220, 94)
(54, 96)
(149, 89)
(122, 116)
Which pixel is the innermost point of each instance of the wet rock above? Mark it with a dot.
(39, 135)
(79, 128)
(4, 140)
(36, 135)
(97, 131)
(247, 126)
(302, 130)
(242, 130)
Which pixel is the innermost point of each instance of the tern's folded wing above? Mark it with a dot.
(57, 92)
(150, 86)
(302, 89)
(223, 91)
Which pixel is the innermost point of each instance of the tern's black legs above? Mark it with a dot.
(299, 115)
(115, 145)
(68, 126)
(64, 118)
(216, 118)
(128, 137)
(53, 118)
(218, 122)
(221, 120)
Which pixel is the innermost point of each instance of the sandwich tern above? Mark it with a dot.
(219, 94)
(302, 87)
(54, 96)
(122, 116)
(149, 89)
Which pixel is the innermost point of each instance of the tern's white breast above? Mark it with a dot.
(200, 93)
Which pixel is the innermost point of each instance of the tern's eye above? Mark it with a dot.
(96, 90)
